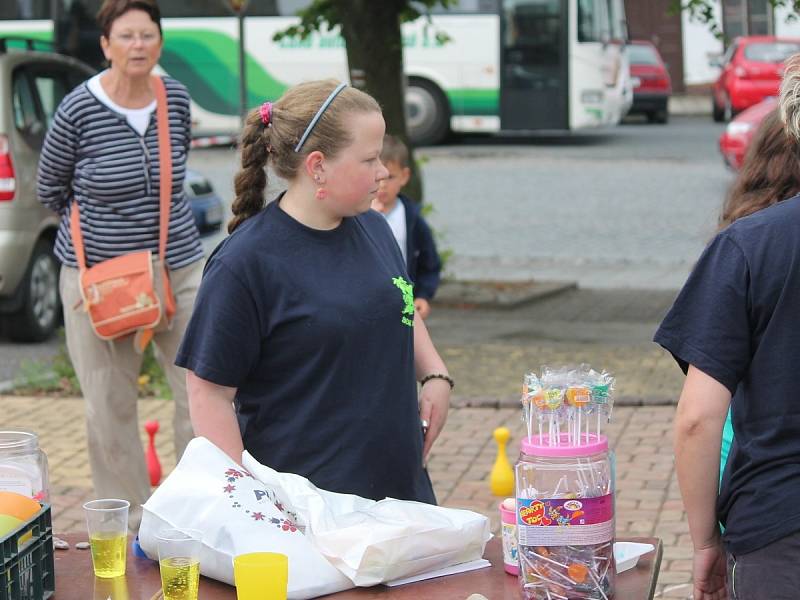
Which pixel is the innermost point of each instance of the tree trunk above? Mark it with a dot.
(375, 58)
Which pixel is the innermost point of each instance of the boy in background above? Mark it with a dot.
(412, 233)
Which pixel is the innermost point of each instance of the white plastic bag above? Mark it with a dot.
(376, 542)
(333, 541)
(237, 514)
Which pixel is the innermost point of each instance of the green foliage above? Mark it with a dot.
(56, 377)
(703, 12)
(322, 15)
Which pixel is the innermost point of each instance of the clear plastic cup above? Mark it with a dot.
(107, 523)
(261, 576)
(179, 562)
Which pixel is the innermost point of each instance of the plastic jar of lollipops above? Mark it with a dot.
(565, 519)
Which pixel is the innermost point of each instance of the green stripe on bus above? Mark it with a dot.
(474, 102)
(44, 36)
(206, 62)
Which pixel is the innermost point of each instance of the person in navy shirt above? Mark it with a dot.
(735, 330)
(412, 232)
(304, 347)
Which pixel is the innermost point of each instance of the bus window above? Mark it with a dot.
(24, 9)
(593, 25)
(285, 8)
(463, 7)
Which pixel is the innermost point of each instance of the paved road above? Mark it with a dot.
(626, 208)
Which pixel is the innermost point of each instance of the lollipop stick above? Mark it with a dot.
(597, 583)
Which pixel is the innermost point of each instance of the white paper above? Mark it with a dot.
(626, 554)
(472, 565)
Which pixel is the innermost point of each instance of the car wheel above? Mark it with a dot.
(660, 116)
(40, 314)
(427, 113)
(717, 111)
(727, 110)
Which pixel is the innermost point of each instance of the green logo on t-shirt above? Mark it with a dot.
(408, 298)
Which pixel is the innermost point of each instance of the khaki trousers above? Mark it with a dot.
(108, 373)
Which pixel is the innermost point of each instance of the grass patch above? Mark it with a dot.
(56, 377)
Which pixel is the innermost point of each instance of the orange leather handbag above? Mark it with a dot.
(131, 293)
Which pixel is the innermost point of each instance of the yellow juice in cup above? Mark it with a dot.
(180, 578)
(108, 554)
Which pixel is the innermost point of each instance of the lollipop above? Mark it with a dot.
(579, 397)
(553, 401)
(601, 397)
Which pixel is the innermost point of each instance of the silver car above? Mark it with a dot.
(32, 83)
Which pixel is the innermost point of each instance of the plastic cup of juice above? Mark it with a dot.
(261, 576)
(107, 522)
(179, 562)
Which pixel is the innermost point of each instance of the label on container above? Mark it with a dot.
(565, 521)
(510, 544)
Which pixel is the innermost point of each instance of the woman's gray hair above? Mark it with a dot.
(790, 97)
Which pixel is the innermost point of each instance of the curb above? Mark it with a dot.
(690, 105)
(497, 294)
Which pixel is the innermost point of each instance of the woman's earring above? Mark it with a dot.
(321, 194)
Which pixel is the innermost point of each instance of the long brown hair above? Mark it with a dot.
(276, 143)
(770, 173)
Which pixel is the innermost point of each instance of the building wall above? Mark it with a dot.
(700, 46)
(650, 21)
(782, 28)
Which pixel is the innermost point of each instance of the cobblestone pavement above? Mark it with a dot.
(487, 351)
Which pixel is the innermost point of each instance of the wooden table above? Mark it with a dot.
(75, 580)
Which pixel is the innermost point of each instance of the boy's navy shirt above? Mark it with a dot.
(737, 319)
(423, 262)
(310, 327)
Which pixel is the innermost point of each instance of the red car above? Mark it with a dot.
(733, 143)
(752, 68)
(652, 86)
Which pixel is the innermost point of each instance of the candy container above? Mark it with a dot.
(565, 519)
(565, 488)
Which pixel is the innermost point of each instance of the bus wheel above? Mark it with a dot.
(427, 113)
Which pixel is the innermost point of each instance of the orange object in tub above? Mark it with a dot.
(18, 506)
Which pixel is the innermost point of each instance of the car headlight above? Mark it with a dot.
(735, 128)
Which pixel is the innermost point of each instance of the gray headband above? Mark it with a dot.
(317, 116)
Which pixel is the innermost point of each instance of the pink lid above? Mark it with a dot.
(508, 515)
(540, 446)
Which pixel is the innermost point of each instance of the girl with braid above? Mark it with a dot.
(302, 348)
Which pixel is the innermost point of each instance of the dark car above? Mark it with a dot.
(652, 85)
(207, 207)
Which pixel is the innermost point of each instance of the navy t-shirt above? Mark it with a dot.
(313, 329)
(737, 319)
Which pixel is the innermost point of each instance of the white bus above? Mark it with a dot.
(508, 66)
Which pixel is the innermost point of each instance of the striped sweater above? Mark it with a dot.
(92, 154)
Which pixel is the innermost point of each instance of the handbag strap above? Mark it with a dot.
(165, 181)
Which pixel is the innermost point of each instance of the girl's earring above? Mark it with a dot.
(321, 194)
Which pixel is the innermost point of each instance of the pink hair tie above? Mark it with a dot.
(266, 113)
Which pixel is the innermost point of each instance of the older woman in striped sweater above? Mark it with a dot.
(102, 152)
